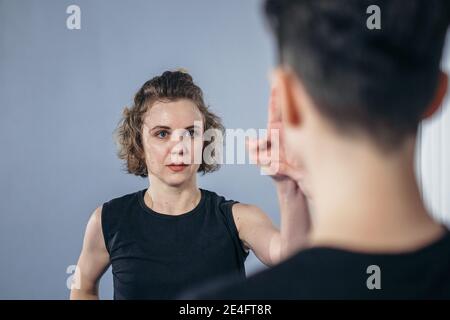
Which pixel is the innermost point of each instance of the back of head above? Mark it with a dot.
(379, 81)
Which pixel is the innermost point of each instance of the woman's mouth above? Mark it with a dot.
(177, 167)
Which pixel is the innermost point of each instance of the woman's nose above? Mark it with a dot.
(179, 148)
(181, 145)
(179, 153)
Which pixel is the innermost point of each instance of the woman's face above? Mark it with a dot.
(173, 141)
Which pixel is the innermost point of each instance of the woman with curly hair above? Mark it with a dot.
(174, 235)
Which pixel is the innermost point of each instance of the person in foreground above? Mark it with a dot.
(349, 101)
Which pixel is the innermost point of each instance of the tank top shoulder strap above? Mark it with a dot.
(113, 212)
(224, 208)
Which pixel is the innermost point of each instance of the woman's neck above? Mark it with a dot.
(172, 200)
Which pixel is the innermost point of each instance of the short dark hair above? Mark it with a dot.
(169, 86)
(379, 81)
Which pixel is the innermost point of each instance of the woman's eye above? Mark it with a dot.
(162, 134)
(193, 133)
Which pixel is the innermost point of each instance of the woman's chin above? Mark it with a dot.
(176, 180)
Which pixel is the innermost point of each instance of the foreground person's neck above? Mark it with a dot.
(372, 203)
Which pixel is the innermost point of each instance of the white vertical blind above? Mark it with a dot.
(433, 156)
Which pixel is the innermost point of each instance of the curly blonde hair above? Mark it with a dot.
(170, 86)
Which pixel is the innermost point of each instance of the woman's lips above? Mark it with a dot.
(177, 167)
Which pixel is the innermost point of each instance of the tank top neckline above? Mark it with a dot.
(148, 211)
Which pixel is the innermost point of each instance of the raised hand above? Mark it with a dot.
(270, 153)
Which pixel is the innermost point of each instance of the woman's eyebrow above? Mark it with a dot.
(192, 127)
(169, 128)
(160, 127)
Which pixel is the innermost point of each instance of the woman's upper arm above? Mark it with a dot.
(94, 258)
(257, 232)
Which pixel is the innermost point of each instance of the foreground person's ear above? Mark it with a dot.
(284, 81)
(438, 97)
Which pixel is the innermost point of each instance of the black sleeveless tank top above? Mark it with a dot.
(158, 256)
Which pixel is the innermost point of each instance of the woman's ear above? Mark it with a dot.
(284, 82)
(439, 95)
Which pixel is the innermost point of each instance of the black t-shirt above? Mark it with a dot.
(330, 273)
(156, 256)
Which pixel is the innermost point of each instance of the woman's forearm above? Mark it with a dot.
(76, 294)
(295, 221)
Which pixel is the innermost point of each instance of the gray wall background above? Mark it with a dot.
(61, 95)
